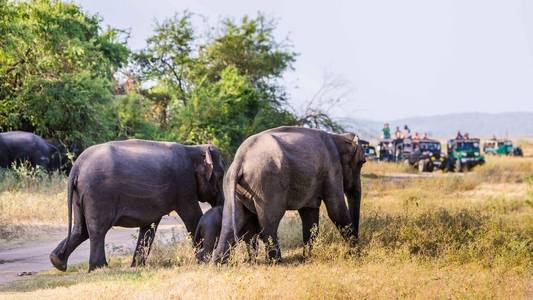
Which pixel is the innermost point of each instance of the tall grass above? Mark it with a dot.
(30, 199)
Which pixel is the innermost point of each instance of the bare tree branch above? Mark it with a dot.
(317, 111)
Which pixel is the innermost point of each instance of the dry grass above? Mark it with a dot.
(374, 280)
(31, 202)
(382, 168)
(442, 236)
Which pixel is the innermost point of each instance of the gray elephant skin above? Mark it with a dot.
(134, 183)
(291, 168)
(20, 146)
(207, 232)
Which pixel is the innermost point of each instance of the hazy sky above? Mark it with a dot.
(401, 58)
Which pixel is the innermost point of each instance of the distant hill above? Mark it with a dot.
(477, 124)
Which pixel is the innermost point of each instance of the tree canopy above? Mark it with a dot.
(63, 75)
(56, 68)
(220, 89)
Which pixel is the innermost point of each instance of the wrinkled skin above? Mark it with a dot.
(20, 147)
(206, 236)
(291, 168)
(135, 183)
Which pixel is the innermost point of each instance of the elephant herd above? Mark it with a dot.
(19, 146)
(134, 183)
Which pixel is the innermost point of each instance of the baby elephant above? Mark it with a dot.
(207, 232)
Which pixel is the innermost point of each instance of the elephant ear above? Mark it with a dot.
(354, 147)
(208, 162)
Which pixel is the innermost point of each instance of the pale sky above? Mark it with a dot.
(401, 58)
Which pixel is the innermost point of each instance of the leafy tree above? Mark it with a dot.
(56, 67)
(167, 59)
(132, 117)
(220, 89)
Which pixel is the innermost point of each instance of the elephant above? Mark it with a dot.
(291, 168)
(20, 146)
(207, 232)
(134, 183)
(206, 236)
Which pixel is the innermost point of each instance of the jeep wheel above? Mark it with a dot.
(430, 166)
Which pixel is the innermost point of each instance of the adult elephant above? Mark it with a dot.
(20, 146)
(134, 183)
(291, 168)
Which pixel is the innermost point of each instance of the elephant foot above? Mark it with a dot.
(58, 263)
(97, 266)
(274, 256)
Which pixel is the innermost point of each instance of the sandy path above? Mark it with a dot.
(32, 256)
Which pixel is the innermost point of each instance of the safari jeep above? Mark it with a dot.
(463, 155)
(385, 150)
(427, 156)
(501, 147)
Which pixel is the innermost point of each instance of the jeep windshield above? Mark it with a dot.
(430, 147)
(467, 146)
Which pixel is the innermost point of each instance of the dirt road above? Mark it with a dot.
(32, 256)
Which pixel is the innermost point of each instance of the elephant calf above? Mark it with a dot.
(207, 232)
(135, 183)
(291, 168)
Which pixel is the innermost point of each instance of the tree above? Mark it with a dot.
(220, 89)
(56, 67)
(317, 111)
(167, 59)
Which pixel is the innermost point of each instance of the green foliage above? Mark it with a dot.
(131, 111)
(225, 113)
(221, 89)
(56, 67)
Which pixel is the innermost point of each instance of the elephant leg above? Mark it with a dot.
(59, 256)
(208, 244)
(269, 222)
(310, 219)
(144, 244)
(97, 257)
(250, 235)
(338, 213)
(190, 213)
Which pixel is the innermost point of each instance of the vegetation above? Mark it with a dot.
(444, 236)
(220, 89)
(64, 76)
(56, 68)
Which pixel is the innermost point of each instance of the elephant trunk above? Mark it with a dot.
(354, 204)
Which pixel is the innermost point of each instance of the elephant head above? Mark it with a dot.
(352, 158)
(209, 169)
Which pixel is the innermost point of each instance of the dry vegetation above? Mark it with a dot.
(441, 236)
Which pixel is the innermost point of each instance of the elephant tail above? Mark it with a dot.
(231, 196)
(72, 181)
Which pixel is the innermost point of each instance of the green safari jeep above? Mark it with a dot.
(463, 155)
(501, 147)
